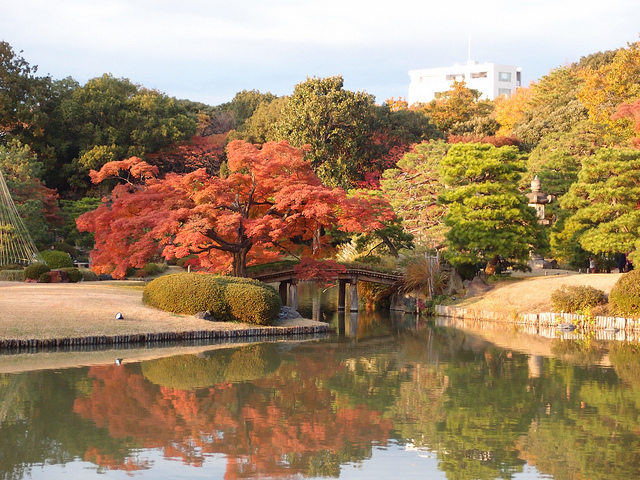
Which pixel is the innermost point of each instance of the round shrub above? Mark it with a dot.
(33, 271)
(152, 268)
(624, 298)
(88, 275)
(227, 298)
(73, 273)
(57, 259)
(12, 275)
(574, 298)
(45, 278)
(65, 247)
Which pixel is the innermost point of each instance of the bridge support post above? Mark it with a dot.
(353, 293)
(293, 294)
(282, 290)
(342, 285)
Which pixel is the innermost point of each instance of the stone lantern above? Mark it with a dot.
(538, 199)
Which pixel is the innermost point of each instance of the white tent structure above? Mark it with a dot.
(16, 245)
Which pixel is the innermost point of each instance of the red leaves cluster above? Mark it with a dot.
(290, 412)
(271, 204)
(631, 111)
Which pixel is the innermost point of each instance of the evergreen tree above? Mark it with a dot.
(604, 204)
(488, 218)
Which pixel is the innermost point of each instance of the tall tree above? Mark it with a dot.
(18, 104)
(604, 204)
(452, 109)
(336, 123)
(271, 204)
(413, 188)
(487, 216)
(36, 204)
(110, 119)
(610, 85)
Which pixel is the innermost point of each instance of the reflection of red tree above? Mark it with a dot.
(112, 463)
(260, 426)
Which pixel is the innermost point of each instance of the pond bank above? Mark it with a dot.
(527, 302)
(36, 315)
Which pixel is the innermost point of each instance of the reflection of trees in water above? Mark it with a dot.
(312, 408)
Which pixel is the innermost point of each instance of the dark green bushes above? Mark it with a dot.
(227, 298)
(33, 271)
(74, 274)
(576, 298)
(88, 275)
(624, 298)
(57, 259)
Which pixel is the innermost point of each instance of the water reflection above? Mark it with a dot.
(477, 410)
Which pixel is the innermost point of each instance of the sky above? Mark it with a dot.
(208, 50)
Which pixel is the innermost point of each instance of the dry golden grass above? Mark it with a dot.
(68, 310)
(533, 294)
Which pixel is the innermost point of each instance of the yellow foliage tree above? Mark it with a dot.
(610, 85)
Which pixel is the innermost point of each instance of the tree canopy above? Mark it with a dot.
(487, 216)
(271, 204)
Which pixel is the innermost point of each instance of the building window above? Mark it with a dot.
(456, 76)
(504, 76)
(504, 91)
(479, 75)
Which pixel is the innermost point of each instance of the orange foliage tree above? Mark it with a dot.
(271, 204)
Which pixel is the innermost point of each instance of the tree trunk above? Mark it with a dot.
(240, 262)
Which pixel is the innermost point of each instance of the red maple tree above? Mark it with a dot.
(271, 204)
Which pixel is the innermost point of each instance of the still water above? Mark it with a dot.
(388, 398)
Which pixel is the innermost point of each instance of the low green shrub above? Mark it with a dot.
(73, 273)
(153, 268)
(12, 275)
(65, 247)
(11, 266)
(57, 259)
(227, 298)
(88, 275)
(33, 271)
(576, 298)
(45, 278)
(624, 298)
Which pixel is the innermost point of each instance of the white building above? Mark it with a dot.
(491, 79)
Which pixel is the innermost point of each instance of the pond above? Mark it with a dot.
(388, 397)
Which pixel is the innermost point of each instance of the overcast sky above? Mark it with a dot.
(207, 50)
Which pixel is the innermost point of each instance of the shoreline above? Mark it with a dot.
(41, 316)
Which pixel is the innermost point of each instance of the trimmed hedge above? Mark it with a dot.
(624, 298)
(227, 298)
(33, 271)
(57, 259)
(574, 298)
(12, 275)
(88, 275)
(73, 273)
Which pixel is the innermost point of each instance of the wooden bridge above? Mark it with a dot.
(289, 284)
